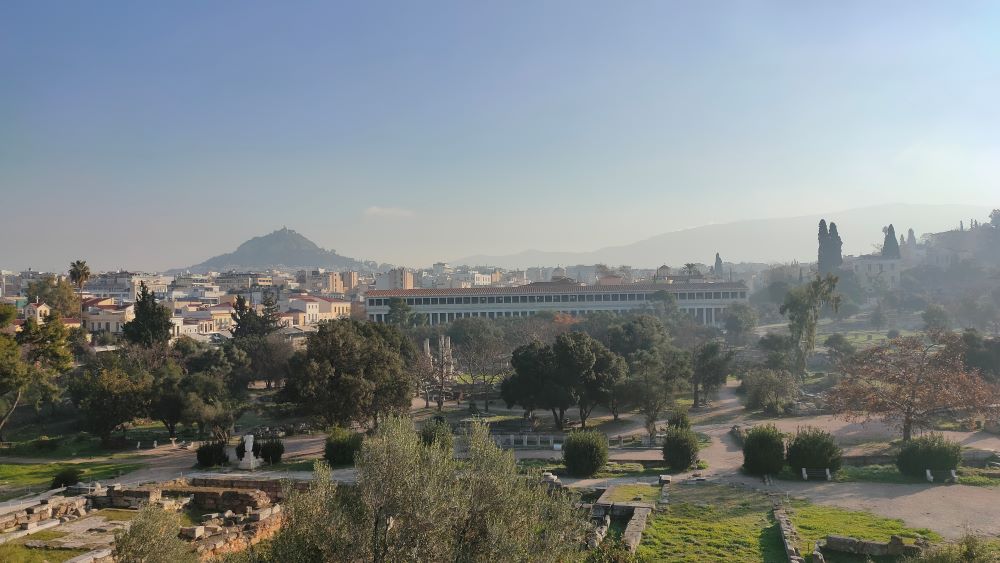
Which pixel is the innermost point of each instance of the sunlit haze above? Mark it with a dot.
(156, 135)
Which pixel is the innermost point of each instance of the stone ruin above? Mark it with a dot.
(237, 513)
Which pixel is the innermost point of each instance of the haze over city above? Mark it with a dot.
(569, 281)
(154, 137)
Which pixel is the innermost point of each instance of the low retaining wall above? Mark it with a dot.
(893, 547)
(46, 509)
(272, 487)
(220, 534)
(789, 539)
(220, 500)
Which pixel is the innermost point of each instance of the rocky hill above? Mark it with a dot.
(283, 248)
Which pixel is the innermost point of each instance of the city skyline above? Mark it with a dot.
(156, 138)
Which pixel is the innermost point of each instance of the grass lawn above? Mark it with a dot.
(45, 535)
(15, 477)
(17, 552)
(709, 522)
(116, 514)
(611, 470)
(972, 476)
(814, 522)
(626, 493)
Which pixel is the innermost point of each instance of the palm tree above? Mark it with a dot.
(691, 269)
(79, 273)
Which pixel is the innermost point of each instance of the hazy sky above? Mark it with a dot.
(156, 134)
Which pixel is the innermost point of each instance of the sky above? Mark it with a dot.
(151, 135)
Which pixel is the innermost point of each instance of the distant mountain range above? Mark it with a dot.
(283, 248)
(756, 240)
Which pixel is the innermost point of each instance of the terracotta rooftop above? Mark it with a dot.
(560, 288)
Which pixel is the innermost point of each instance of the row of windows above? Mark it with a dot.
(571, 298)
(703, 315)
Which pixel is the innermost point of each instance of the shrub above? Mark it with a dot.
(679, 420)
(969, 549)
(152, 538)
(241, 448)
(813, 448)
(769, 390)
(585, 452)
(928, 452)
(763, 450)
(46, 444)
(680, 448)
(437, 433)
(893, 333)
(271, 450)
(341, 445)
(66, 477)
(211, 454)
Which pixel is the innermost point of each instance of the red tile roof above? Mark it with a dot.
(560, 288)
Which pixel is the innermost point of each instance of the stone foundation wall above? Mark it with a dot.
(48, 509)
(221, 500)
(231, 533)
(894, 547)
(789, 539)
(272, 487)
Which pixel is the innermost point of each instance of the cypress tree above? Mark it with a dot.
(890, 248)
(824, 245)
(835, 251)
(911, 238)
(718, 265)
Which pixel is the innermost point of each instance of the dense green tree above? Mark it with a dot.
(109, 397)
(351, 372)
(14, 378)
(7, 314)
(830, 249)
(47, 353)
(779, 351)
(839, 347)
(834, 254)
(151, 537)
(593, 369)
(57, 293)
(248, 321)
(268, 356)
(740, 322)
(711, 366)
(537, 383)
(824, 246)
(151, 325)
(656, 369)
(982, 354)
(890, 247)
(79, 273)
(936, 319)
(400, 314)
(802, 306)
(414, 502)
(877, 317)
(168, 401)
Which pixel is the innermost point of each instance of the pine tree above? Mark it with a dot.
(890, 248)
(911, 238)
(151, 324)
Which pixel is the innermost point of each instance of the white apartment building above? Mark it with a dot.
(706, 302)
